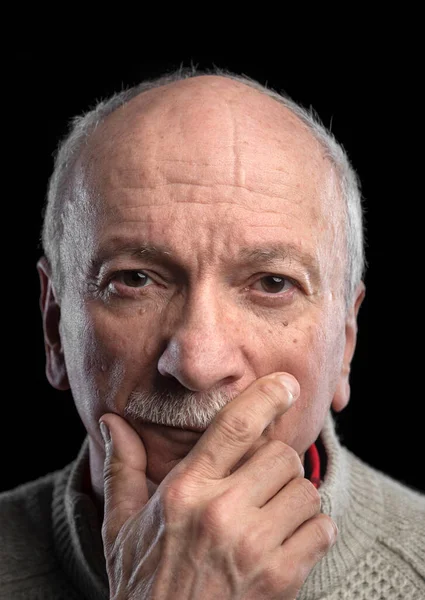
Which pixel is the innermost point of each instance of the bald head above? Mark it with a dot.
(233, 134)
(228, 130)
(209, 109)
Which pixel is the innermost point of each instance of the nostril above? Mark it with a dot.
(202, 362)
(168, 384)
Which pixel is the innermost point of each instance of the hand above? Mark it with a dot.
(212, 530)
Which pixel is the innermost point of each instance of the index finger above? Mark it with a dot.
(241, 422)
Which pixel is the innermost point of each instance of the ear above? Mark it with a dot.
(342, 392)
(50, 309)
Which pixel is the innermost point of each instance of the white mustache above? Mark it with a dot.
(187, 410)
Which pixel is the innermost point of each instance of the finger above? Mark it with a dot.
(266, 472)
(241, 422)
(309, 544)
(290, 508)
(125, 485)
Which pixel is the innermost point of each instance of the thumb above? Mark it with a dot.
(124, 473)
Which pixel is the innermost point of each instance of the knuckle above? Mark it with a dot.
(237, 427)
(178, 494)
(291, 575)
(324, 532)
(282, 577)
(112, 469)
(309, 493)
(287, 456)
(272, 581)
(278, 448)
(252, 546)
(215, 519)
(293, 461)
(109, 535)
(271, 391)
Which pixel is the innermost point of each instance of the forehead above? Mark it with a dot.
(222, 129)
(213, 150)
(209, 126)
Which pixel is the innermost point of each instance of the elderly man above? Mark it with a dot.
(200, 289)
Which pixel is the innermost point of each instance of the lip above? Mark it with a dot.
(173, 434)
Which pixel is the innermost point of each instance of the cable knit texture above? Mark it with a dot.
(51, 547)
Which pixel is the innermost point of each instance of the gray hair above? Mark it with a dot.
(81, 127)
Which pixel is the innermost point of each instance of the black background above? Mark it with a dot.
(370, 98)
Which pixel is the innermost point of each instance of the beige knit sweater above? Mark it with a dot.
(51, 549)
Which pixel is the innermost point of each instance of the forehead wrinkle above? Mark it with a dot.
(201, 219)
(266, 169)
(235, 170)
(221, 121)
(254, 123)
(204, 185)
(223, 185)
(140, 172)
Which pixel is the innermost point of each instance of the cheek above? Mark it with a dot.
(107, 357)
(312, 356)
(298, 348)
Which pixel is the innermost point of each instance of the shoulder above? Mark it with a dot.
(400, 524)
(383, 506)
(403, 506)
(26, 511)
(380, 550)
(26, 534)
(403, 529)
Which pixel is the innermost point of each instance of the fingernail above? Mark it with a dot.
(290, 384)
(104, 430)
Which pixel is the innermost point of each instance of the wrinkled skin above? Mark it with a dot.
(230, 189)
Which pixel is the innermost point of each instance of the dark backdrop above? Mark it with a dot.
(369, 100)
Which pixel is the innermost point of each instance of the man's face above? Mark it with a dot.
(205, 249)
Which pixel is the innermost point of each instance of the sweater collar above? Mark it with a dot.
(351, 495)
(77, 530)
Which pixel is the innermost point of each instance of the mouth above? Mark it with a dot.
(189, 435)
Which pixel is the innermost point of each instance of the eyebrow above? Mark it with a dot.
(247, 256)
(148, 252)
(284, 252)
(276, 252)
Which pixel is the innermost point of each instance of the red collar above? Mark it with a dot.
(312, 465)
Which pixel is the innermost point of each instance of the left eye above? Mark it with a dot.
(134, 279)
(273, 284)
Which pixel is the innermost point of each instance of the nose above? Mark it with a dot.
(204, 349)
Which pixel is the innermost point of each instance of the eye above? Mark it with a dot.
(134, 279)
(273, 284)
